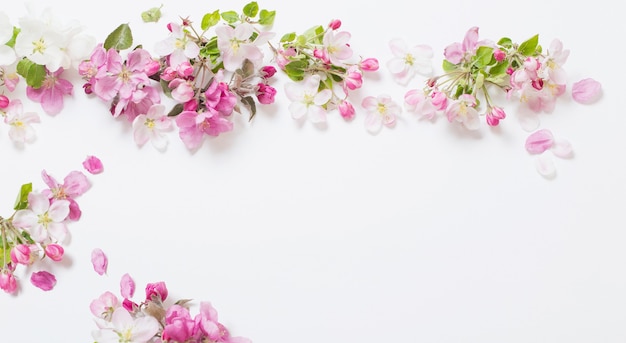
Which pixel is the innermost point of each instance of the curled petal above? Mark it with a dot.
(539, 141)
(586, 91)
(99, 261)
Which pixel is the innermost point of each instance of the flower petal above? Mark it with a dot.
(43, 280)
(93, 165)
(586, 91)
(99, 261)
(562, 148)
(545, 166)
(539, 141)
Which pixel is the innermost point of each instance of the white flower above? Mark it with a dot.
(43, 220)
(125, 328)
(21, 131)
(150, 126)
(7, 54)
(177, 46)
(408, 61)
(307, 100)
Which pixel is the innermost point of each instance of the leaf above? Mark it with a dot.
(32, 72)
(176, 110)
(251, 9)
(11, 42)
(295, 69)
(527, 48)
(505, 42)
(121, 38)
(498, 69)
(21, 202)
(230, 16)
(267, 17)
(288, 37)
(152, 15)
(209, 20)
(448, 66)
(484, 54)
(248, 101)
(247, 68)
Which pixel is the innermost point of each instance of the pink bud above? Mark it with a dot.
(99, 261)
(4, 101)
(169, 74)
(8, 283)
(346, 109)
(440, 100)
(322, 55)
(93, 165)
(510, 71)
(152, 67)
(88, 88)
(369, 64)
(334, 24)
(184, 69)
(265, 93)
(21, 254)
(157, 289)
(54, 251)
(191, 105)
(353, 79)
(129, 305)
(169, 27)
(491, 121)
(586, 91)
(539, 141)
(43, 280)
(267, 72)
(499, 55)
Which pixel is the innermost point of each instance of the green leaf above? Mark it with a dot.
(448, 66)
(484, 54)
(505, 42)
(11, 42)
(248, 101)
(527, 48)
(209, 20)
(288, 37)
(251, 9)
(230, 16)
(480, 81)
(295, 69)
(22, 198)
(152, 15)
(176, 110)
(32, 72)
(267, 17)
(121, 38)
(5, 257)
(498, 69)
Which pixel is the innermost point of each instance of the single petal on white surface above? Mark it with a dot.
(562, 148)
(545, 166)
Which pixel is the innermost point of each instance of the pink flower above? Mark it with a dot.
(54, 252)
(539, 141)
(586, 91)
(219, 97)
(43, 280)
(307, 99)
(51, 92)
(22, 254)
(420, 103)
(336, 46)
(104, 306)
(99, 261)
(8, 283)
(354, 78)
(409, 61)
(127, 286)
(382, 110)
(495, 115)
(235, 45)
(455, 53)
(152, 127)
(93, 165)
(43, 220)
(126, 328)
(346, 109)
(74, 185)
(265, 93)
(193, 126)
(157, 289)
(179, 325)
(4, 101)
(464, 111)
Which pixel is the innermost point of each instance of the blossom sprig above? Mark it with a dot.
(209, 72)
(474, 70)
(324, 69)
(37, 229)
(155, 318)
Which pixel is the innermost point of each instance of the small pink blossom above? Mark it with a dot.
(381, 110)
(157, 289)
(409, 61)
(586, 91)
(265, 93)
(307, 100)
(43, 280)
(99, 260)
(127, 286)
(464, 111)
(125, 328)
(21, 130)
(104, 306)
(336, 46)
(22, 254)
(420, 103)
(74, 185)
(93, 165)
(495, 115)
(457, 52)
(42, 219)
(346, 109)
(54, 252)
(8, 283)
(354, 78)
(193, 126)
(51, 92)
(539, 141)
(334, 24)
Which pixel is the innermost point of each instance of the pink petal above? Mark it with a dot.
(93, 165)
(539, 141)
(99, 261)
(586, 91)
(43, 280)
(127, 286)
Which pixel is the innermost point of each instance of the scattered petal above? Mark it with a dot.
(93, 165)
(545, 166)
(43, 280)
(586, 91)
(539, 141)
(127, 286)
(99, 260)
(562, 148)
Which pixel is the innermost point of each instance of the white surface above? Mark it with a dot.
(301, 234)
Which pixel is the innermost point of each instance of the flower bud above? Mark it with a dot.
(499, 55)
(21, 254)
(334, 24)
(8, 283)
(4, 101)
(369, 64)
(54, 251)
(267, 72)
(265, 93)
(346, 109)
(157, 289)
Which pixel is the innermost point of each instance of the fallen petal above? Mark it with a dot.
(93, 165)
(545, 166)
(99, 260)
(586, 91)
(562, 148)
(43, 280)
(539, 141)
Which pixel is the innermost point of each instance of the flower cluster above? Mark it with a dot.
(155, 319)
(473, 68)
(38, 227)
(209, 74)
(325, 69)
(38, 50)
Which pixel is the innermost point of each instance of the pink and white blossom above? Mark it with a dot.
(74, 185)
(104, 305)
(409, 61)
(152, 127)
(124, 328)
(43, 220)
(381, 110)
(177, 46)
(50, 94)
(336, 47)
(463, 110)
(236, 45)
(307, 100)
(21, 130)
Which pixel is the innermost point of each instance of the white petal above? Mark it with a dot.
(317, 114)
(562, 148)
(545, 165)
(373, 123)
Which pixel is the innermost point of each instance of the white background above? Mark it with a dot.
(298, 233)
